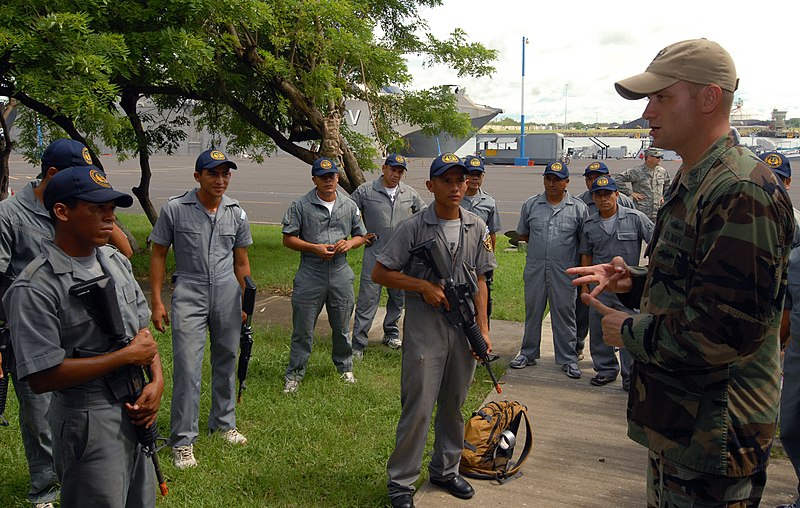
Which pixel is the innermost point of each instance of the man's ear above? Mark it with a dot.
(61, 212)
(712, 98)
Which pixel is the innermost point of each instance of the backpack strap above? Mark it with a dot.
(526, 450)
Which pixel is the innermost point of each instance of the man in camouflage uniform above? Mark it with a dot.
(705, 381)
(648, 183)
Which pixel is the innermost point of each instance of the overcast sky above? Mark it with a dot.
(588, 45)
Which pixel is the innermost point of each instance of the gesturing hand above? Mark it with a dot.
(612, 320)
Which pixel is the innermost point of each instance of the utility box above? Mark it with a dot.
(617, 152)
(504, 148)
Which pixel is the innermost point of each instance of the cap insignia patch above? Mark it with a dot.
(217, 155)
(602, 181)
(594, 165)
(99, 178)
(773, 160)
(449, 158)
(556, 166)
(474, 162)
(86, 156)
(326, 164)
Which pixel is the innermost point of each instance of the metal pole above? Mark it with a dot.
(565, 105)
(522, 160)
(522, 105)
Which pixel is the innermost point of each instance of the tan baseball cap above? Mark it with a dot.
(697, 61)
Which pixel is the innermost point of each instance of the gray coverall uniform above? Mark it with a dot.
(483, 205)
(207, 298)
(554, 236)
(24, 225)
(790, 392)
(632, 227)
(96, 453)
(581, 309)
(437, 363)
(319, 282)
(381, 215)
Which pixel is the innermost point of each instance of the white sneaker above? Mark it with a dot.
(348, 377)
(291, 386)
(44, 505)
(393, 342)
(233, 436)
(183, 456)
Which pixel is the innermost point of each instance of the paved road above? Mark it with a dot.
(267, 189)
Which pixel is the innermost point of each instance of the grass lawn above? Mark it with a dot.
(327, 445)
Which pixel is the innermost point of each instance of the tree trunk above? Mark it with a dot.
(142, 191)
(5, 148)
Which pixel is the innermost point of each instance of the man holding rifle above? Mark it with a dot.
(437, 364)
(95, 449)
(24, 225)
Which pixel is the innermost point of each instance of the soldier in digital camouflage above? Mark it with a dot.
(648, 183)
(705, 382)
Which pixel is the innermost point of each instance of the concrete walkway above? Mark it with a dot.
(581, 455)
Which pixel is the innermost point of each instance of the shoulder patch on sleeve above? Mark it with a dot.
(487, 240)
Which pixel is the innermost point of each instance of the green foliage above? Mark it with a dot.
(257, 72)
(326, 445)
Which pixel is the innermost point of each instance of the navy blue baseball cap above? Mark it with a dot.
(604, 183)
(323, 166)
(65, 153)
(211, 159)
(442, 163)
(86, 183)
(557, 168)
(778, 162)
(474, 163)
(596, 167)
(396, 160)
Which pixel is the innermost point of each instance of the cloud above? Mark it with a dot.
(588, 46)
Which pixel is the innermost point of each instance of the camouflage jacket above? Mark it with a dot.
(705, 382)
(651, 183)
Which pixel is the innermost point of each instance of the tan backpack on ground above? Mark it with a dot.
(489, 440)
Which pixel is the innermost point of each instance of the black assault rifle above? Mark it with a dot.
(126, 383)
(246, 338)
(459, 298)
(5, 350)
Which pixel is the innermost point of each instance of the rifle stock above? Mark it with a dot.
(246, 338)
(5, 350)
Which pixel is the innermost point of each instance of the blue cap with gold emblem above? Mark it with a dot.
(604, 183)
(474, 163)
(396, 160)
(596, 167)
(778, 162)
(442, 163)
(85, 183)
(323, 166)
(211, 159)
(65, 153)
(558, 169)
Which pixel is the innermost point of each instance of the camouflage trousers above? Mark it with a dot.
(671, 485)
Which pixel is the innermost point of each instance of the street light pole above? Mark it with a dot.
(522, 160)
